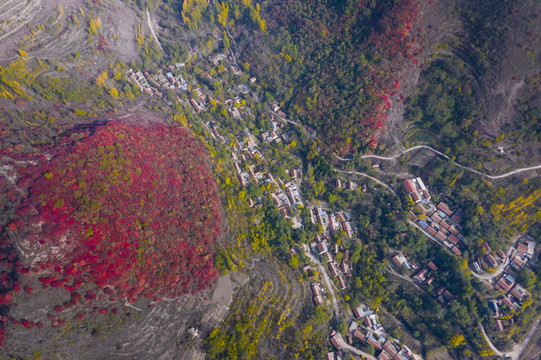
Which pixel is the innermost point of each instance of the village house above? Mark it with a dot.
(493, 305)
(453, 239)
(316, 289)
(456, 251)
(318, 300)
(421, 275)
(443, 207)
(322, 248)
(518, 261)
(436, 218)
(390, 348)
(453, 230)
(344, 267)
(341, 282)
(444, 225)
(510, 304)
(400, 260)
(416, 189)
(404, 354)
(330, 356)
(333, 224)
(526, 248)
(347, 228)
(505, 283)
(519, 292)
(369, 339)
(317, 294)
(336, 342)
(491, 261)
(441, 236)
(244, 179)
(332, 267)
(358, 312)
(456, 218)
(328, 256)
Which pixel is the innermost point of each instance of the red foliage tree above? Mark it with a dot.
(139, 204)
(132, 209)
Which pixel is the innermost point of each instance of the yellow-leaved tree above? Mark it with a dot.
(457, 340)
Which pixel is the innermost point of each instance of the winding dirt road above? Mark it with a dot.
(354, 350)
(152, 30)
(500, 269)
(368, 176)
(233, 53)
(518, 349)
(402, 153)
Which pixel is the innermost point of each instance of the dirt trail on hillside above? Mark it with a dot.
(61, 38)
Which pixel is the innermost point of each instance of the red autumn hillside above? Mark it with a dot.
(131, 209)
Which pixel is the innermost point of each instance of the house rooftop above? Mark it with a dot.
(490, 259)
(443, 207)
(390, 348)
(456, 251)
(336, 342)
(322, 247)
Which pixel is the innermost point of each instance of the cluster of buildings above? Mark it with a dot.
(442, 224)
(369, 320)
(426, 277)
(288, 199)
(492, 260)
(320, 246)
(365, 328)
(350, 185)
(285, 195)
(513, 293)
(275, 108)
(317, 293)
(332, 222)
(417, 190)
(158, 83)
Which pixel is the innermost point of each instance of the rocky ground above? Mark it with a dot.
(144, 330)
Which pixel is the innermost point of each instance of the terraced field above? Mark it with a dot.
(265, 308)
(57, 30)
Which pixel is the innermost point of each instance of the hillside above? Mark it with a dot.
(193, 179)
(110, 213)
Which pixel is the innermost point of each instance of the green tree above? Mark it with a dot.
(227, 42)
